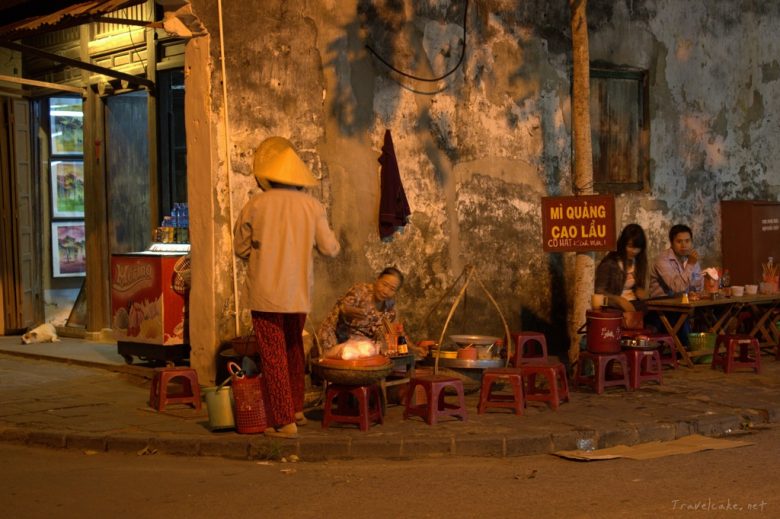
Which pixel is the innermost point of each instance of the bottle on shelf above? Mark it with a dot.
(725, 280)
(184, 223)
(167, 230)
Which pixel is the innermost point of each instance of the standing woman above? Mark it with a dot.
(276, 232)
(622, 274)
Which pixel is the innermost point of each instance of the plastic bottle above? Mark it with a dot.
(725, 280)
(185, 223)
(167, 230)
(176, 217)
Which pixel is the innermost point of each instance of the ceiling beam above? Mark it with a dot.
(25, 49)
(42, 84)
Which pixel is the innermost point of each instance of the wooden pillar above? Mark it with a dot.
(583, 163)
(97, 285)
(154, 181)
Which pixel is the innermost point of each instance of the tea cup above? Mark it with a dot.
(597, 301)
(737, 291)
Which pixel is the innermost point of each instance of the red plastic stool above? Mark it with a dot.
(346, 411)
(643, 366)
(435, 404)
(736, 353)
(159, 396)
(603, 371)
(557, 385)
(531, 345)
(666, 347)
(489, 398)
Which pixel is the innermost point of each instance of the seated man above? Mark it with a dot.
(675, 271)
(365, 311)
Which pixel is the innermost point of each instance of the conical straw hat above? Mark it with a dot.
(276, 160)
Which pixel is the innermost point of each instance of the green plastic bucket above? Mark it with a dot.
(699, 343)
(219, 401)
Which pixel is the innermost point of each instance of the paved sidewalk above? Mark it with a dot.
(81, 395)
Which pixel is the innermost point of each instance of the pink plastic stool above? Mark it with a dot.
(666, 347)
(435, 405)
(532, 347)
(643, 366)
(557, 385)
(188, 377)
(736, 353)
(345, 412)
(489, 398)
(603, 371)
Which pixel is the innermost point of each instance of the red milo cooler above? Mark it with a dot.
(148, 316)
(604, 329)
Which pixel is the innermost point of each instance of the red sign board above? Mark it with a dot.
(578, 223)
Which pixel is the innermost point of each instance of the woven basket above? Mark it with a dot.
(249, 410)
(182, 276)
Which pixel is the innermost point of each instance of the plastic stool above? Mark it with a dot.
(733, 357)
(536, 350)
(643, 366)
(346, 412)
(667, 349)
(435, 404)
(557, 385)
(603, 367)
(159, 397)
(488, 398)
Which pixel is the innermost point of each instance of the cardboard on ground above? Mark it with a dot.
(657, 449)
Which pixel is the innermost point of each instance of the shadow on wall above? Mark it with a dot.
(555, 329)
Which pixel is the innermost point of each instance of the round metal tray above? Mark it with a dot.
(467, 364)
(464, 340)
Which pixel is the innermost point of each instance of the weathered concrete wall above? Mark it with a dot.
(478, 149)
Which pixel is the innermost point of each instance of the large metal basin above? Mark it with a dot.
(357, 372)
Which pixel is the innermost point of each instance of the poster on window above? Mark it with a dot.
(68, 249)
(67, 189)
(67, 130)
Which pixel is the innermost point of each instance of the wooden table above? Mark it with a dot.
(763, 306)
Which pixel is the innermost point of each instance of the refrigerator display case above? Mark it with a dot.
(149, 304)
(750, 235)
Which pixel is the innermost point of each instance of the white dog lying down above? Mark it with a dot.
(43, 333)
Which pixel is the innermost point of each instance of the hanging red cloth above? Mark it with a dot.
(394, 209)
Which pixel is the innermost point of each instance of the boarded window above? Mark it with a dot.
(620, 129)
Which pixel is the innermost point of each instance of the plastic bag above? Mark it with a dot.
(353, 348)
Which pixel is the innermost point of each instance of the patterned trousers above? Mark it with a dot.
(280, 341)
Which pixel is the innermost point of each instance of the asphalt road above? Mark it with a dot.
(739, 482)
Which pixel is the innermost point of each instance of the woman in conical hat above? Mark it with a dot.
(274, 233)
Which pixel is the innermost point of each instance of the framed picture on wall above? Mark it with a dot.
(68, 249)
(67, 128)
(67, 189)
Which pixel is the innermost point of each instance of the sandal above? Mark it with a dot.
(289, 431)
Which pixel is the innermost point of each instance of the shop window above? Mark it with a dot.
(173, 141)
(620, 128)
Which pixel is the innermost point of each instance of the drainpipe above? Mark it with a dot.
(228, 165)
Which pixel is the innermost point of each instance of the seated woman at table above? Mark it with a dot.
(621, 275)
(361, 315)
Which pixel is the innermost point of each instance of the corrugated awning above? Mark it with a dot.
(27, 18)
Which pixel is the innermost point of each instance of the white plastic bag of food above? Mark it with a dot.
(353, 348)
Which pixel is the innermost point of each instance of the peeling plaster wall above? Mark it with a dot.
(478, 150)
